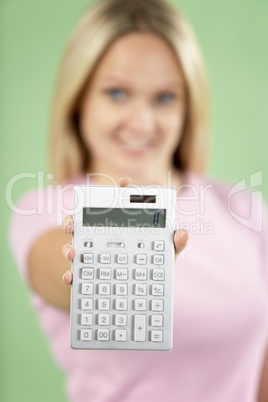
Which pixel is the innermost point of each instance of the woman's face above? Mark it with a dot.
(133, 110)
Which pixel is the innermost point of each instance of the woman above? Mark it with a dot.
(131, 100)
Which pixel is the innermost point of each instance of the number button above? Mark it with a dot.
(103, 319)
(121, 304)
(104, 304)
(121, 289)
(86, 304)
(103, 334)
(86, 319)
(121, 320)
(87, 289)
(104, 288)
(86, 335)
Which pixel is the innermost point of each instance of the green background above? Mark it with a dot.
(233, 35)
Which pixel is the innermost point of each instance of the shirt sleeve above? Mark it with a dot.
(35, 214)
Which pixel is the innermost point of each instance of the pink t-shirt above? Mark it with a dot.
(220, 303)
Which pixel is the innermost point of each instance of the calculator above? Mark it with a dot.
(122, 289)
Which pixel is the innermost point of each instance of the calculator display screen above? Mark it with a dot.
(127, 217)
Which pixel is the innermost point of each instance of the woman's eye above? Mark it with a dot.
(165, 98)
(117, 94)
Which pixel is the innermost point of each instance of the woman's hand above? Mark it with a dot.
(180, 237)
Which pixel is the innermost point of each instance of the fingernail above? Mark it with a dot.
(66, 278)
(66, 252)
(68, 222)
(126, 178)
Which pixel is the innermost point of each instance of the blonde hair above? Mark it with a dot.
(101, 25)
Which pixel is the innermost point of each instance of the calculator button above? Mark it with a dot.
(88, 258)
(86, 304)
(104, 289)
(158, 274)
(157, 305)
(121, 304)
(157, 336)
(87, 273)
(141, 259)
(121, 289)
(158, 259)
(88, 244)
(105, 258)
(140, 304)
(105, 273)
(159, 245)
(87, 288)
(121, 274)
(120, 335)
(86, 319)
(86, 335)
(156, 320)
(141, 245)
(121, 319)
(139, 328)
(140, 274)
(103, 335)
(104, 304)
(157, 290)
(121, 258)
(103, 319)
(140, 289)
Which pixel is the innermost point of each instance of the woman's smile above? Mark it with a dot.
(135, 146)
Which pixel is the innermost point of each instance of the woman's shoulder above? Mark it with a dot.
(238, 201)
(235, 193)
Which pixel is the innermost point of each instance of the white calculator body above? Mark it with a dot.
(122, 290)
